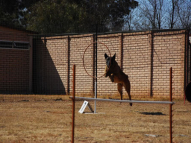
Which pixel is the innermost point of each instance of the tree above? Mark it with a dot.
(152, 10)
(184, 13)
(12, 12)
(8, 12)
(159, 13)
(50, 16)
(173, 13)
(60, 16)
(131, 21)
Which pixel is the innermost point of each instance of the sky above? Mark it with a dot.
(141, 20)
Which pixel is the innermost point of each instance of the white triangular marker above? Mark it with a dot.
(84, 105)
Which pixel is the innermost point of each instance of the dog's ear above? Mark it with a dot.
(113, 58)
(105, 56)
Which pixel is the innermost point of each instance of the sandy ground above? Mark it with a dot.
(49, 121)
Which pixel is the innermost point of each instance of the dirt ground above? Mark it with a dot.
(48, 120)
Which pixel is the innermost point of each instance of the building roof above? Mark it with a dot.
(18, 28)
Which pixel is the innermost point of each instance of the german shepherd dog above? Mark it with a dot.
(116, 75)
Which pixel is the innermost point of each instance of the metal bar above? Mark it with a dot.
(95, 96)
(68, 68)
(102, 33)
(95, 69)
(189, 59)
(121, 50)
(31, 65)
(73, 103)
(151, 66)
(123, 101)
(185, 60)
(170, 106)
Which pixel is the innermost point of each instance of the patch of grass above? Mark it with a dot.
(48, 120)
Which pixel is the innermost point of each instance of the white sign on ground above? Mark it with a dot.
(84, 105)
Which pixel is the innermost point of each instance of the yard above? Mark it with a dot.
(47, 119)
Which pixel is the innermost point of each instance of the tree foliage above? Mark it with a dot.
(8, 11)
(66, 16)
(12, 12)
(60, 16)
(163, 14)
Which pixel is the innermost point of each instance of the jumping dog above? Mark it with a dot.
(116, 75)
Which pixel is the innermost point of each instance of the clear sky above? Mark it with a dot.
(140, 19)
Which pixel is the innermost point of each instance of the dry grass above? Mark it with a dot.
(47, 119)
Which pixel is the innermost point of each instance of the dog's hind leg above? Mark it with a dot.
(127, 88)
(119, 87)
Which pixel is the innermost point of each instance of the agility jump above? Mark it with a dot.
(124, 101)
(115, 76)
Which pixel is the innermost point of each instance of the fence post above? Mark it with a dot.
(121, 50)
(170, 108)
(151, 66)
(73, 104)
(30, 64)
(93, 72)
(186, 44)
(68, 70)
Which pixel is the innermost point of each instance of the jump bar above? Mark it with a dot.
(123, 101)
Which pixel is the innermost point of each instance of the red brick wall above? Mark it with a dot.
(14, 63)
(13, 34)
(14, 71)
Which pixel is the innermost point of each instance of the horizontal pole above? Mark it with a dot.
(123, 101)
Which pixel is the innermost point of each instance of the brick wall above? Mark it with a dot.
(14, 63)
(84, 83)
(145, 56)
(50, 65)
(52, 69)
(13, 34)
(169, 49)
(104, 85)
(14, 71)
(136, 62)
